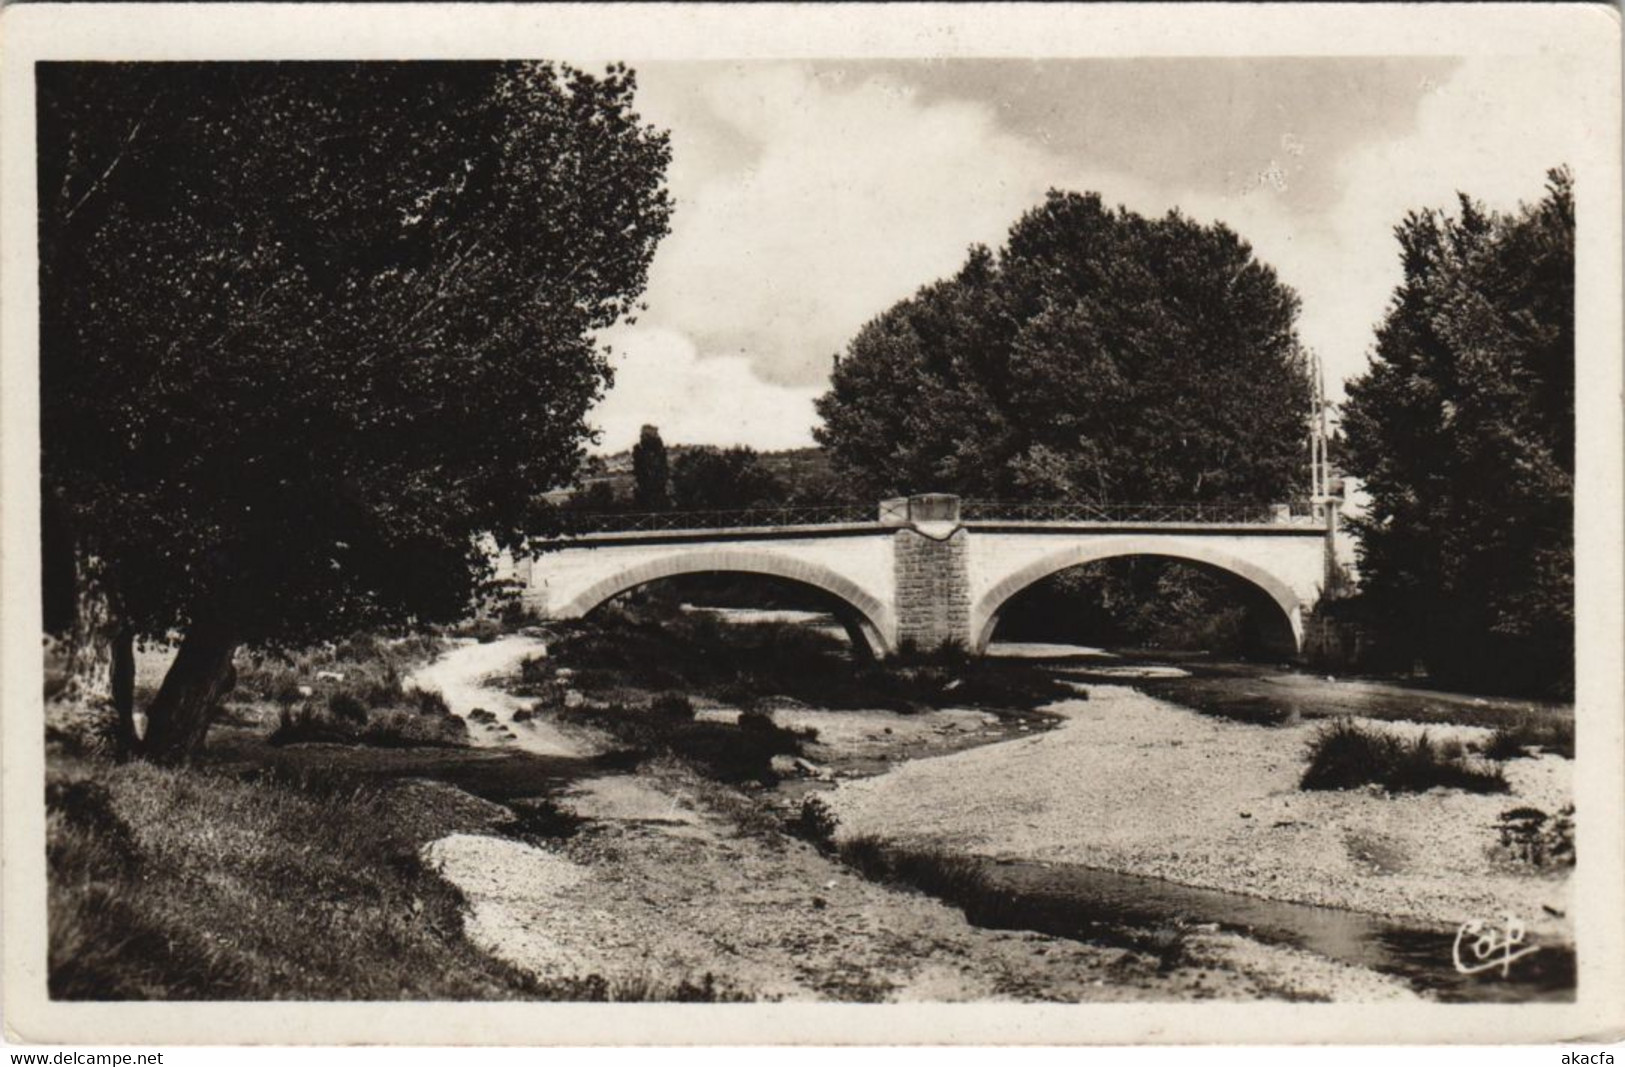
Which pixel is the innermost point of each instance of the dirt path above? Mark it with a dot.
(461, 676)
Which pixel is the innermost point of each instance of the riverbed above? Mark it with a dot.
(1132, 812)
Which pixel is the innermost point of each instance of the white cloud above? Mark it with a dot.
(856, 196)
(807, 205)
(1491, 130)
(660, 379)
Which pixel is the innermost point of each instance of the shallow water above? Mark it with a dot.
(1270, 694)
(1069, 900)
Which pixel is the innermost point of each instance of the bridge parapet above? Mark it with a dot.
(934, 510)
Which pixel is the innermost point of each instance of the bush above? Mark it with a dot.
(814, 822)
(674, 707)
(422, 720)
(1514, 740)
(1344, 755)
(1534, 837)
(346, 708)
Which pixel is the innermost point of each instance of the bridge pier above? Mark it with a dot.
(931, 571)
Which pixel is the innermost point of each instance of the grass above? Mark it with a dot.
(305, 884)
(186, 883)
(952, 877)
(1344, 755)
(352, 692)
(417, 718)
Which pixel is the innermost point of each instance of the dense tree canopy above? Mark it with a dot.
(1098, 355)
(719, 478)
(309, 331)
(1463, 431)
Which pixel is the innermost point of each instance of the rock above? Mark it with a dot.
(783, 765)
(305, 691)
(811, 769)
(573, 698)
(1246, 815)
(523, 715)
(329, 676)
(564, 674)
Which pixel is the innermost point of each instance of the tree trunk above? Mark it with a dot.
(85, 648)
(121, 685)
(198, 679)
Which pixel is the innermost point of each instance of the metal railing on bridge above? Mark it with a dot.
(1151, 514)
(575, 523)
(581, 523)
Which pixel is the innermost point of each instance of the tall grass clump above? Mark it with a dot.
(1515, 740)
(951, 877)
(1345, 755)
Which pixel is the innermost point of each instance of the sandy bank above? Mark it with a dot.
(1129, 783)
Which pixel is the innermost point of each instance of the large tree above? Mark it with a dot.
(651, 473)
(313, 333)
(706, 478)
(1463, 432)
(1098, 355)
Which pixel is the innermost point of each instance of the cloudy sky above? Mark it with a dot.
(813, 195)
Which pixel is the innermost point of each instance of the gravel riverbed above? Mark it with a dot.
(1129, 783)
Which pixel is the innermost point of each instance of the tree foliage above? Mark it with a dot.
(651, 477)
(706, 478)
(310, 331)
(1098, 355)
(1463, 432)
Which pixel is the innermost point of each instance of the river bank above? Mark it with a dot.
(1131, 784)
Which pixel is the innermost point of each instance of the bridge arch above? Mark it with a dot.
(870, 624)
(985, 612)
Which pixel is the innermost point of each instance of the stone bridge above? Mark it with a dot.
(924, 570)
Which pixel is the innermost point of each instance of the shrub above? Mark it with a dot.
(814, 822)
(1534, 837)
(346, 708)
(674, 707)
(1344, 755)
(1514, 740)
(428, 702)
